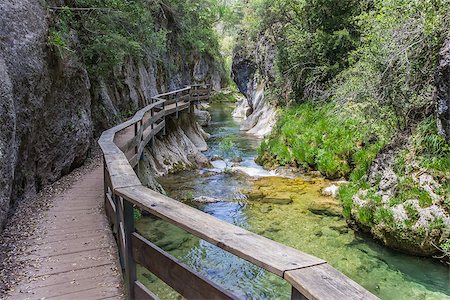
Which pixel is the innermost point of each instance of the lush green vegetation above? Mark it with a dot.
(110, 31)
(376, 57)
(360, 74)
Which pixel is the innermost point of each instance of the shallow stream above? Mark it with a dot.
(386, 273)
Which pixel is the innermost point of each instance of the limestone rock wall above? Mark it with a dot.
(51, 109)
(46, 125)
(180, 149)
(253, 72)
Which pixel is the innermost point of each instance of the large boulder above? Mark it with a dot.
(252, 70)
(203, 117)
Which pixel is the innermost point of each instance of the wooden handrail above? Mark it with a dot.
(122, 146)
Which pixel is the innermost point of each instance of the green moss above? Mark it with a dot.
(437, 224)
(407, 189)
(384, 215)
(413, 214)
(137, 214)
(365, 216)
(445, 246)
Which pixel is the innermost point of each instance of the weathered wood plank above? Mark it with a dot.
(325, 282)
(181, 278)
(296, 295)
(174, 92)
(270, 255)
(199, 98)
(142, 293)
(130, 265)
(174, 109)
(120, 170)
(184, 98)
(110, 209)
(134, 160)
(130, 144)
(152, 119)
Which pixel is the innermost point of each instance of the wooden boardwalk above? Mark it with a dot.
(75, 254)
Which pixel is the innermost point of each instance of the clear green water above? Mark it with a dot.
(386, 273)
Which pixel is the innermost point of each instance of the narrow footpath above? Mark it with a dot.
(72, 254)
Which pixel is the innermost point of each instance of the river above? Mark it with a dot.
(386, 273)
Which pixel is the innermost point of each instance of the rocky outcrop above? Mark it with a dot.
(180, 149)
(203, 117)
(253, 71)
(442, 81)
(51, 108)
(134, 82)
(405, 211)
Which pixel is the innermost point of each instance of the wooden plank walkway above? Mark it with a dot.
(75, 256)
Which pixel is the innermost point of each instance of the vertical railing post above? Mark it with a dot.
(164, 117)
(105, 184)
(176, 104)
(141, 133)
(130, 265)
(135, 134)
(119, 236)
(191, 103)
(152, 125)
(296, 295)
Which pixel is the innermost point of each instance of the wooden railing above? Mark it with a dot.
(122, 146)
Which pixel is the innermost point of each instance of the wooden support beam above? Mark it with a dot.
(325, 282)
(130, 266)
(142, 293)
(180, 277)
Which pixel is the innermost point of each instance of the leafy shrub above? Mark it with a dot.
(395, 62)
(110, 31)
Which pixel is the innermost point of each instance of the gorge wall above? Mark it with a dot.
(52, 108)
(253, 72)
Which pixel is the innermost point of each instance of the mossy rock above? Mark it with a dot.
(281, 198)
(326, 207)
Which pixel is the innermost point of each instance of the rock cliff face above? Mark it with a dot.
(51, 109)
(46, 125)
(443, 90)
(179, 149)
(253, 71)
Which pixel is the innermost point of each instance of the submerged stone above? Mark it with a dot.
(277, 199)
(205, 199)
(327, 207)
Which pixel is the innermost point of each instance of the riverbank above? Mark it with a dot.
(399, 182)
(388, 274)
